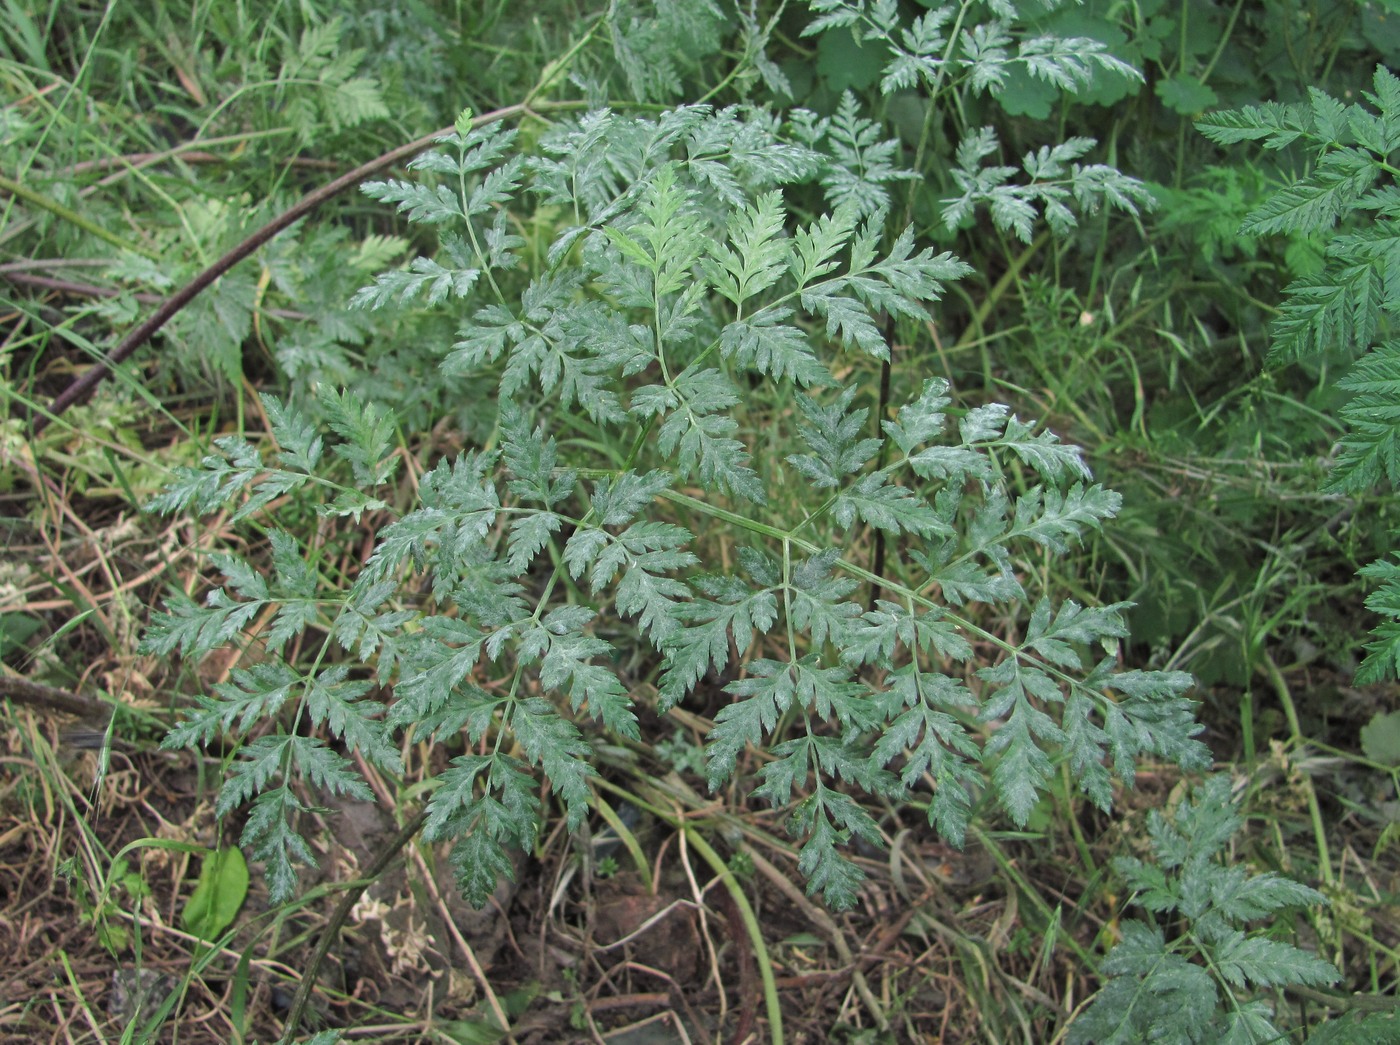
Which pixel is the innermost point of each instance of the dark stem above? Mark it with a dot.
(22, 691)
(90, 290)
(81, 388)
(331, 932)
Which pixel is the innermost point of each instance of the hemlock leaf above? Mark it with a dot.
(253, 694)
(828, 819)
(554, 744)
(454, 796)
(434, 669)
(566, 667)
(659, 282)
(886, 506)
(768, 345)
(764, 695)
(699, 437)
(338, 701)
(272, 839)
(832, 433)
(756, 256)
(191, 628)
(733, 610)
(481, 863)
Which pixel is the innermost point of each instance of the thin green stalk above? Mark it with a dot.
(1081, 843)
(78, 991)
(990, 303)
(58, 210)
(721, 869)
(1247, 724)
(751, 926)
(628, 839)
(1008, 868)
(1224, 39)
(1290, 712)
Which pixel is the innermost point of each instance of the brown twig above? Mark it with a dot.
(92, 290)
(331, 932)
(35, 694)
(81, 388)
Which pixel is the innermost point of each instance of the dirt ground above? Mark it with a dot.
(584, 946)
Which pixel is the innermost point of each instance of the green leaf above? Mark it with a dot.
(1380, 738)
(1277, 125)
(215, 483)
(828, 819)
(833, 434)
(934, 742)
(1262, 962)
(195, 629)
(700, 436)
(435, 668)
(567, 669)
(217, 896)
(887, 506)
(1055, 519)
(861, 164)
(731, 610)
(271, 838)
(768, 345)
(455, 796)
(817, 600)
(252, 695)
(765, 694)
(922, 420)
(432, 280)
(1376, 1028)
(1186, 95)
(294, 432)
(1339, 306)
(480, 862)
(368, 431)
(338, 701)
(1370, 449)
(757, 254)
(553, 743)
(1315, 203)
(420, 203)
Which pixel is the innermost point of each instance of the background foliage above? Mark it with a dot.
(725, 409)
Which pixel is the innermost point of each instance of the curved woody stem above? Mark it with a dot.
(81, 388)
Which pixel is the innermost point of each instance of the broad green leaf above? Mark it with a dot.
(217, 896)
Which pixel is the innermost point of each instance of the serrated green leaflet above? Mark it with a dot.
(681, 282)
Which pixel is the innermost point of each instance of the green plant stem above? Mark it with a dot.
(1080, 842)
(755, 931)
(1247, 724)
(1224, 40)
(1008, 868)
(833, 933)
(629, 840)
(1290, 712)
(1344, 1002)
(721, 869)
(988, 305)
(77, 987)
(58, 210)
